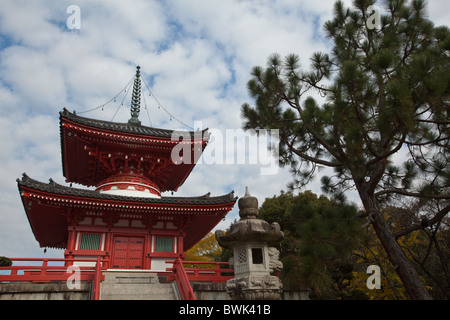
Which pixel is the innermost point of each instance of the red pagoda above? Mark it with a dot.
(124, 217)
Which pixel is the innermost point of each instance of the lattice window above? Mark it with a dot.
(90, 241)
(164, 244)
(242, 255)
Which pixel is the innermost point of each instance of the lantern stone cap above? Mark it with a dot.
(249, 227)
(248, 206)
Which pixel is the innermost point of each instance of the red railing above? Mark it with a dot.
(215, 274)
(47, 273)
(181, 279)
(183, 276)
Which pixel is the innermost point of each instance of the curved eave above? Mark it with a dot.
(128, 132)
(48, 205)
(81, 137)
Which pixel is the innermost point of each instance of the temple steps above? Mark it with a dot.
(135, 286)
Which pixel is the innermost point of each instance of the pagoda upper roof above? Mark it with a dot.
(49, 205)
(90, 146)
(124, 127)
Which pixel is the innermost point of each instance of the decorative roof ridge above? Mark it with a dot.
(56, 188)
(124, 127)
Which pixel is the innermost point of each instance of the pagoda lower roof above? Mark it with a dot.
(47, 208)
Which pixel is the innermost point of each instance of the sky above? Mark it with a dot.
(195, 57)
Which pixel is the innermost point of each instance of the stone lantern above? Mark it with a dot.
(255, 257)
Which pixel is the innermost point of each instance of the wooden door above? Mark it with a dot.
(135, 253)
(120, 252)
(128, 252)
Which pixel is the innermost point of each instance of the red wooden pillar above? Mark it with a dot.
(71, 244)
(180, 247)
(108, 247)
(72, 239)
(147, 251)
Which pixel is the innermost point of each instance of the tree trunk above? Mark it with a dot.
(402, 265)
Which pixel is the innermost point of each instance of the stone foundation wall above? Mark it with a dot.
(43, 291)
(59, 291)
(216, 291)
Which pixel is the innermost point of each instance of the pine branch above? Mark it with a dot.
(436, 219)
(412, 194)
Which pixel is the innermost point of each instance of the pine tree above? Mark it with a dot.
(320, 235)
(385, 88)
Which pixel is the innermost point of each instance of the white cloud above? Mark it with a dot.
(196, 56)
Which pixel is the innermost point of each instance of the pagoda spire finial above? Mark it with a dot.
(136, 98)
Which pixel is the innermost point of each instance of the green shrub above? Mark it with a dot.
(5, 262)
